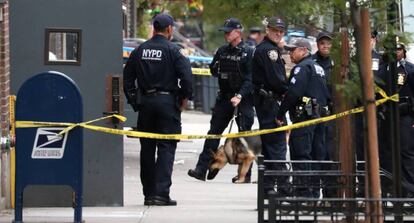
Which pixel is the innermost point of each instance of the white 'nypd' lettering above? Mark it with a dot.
(150, 54)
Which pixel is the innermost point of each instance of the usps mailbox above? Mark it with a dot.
(42, 156)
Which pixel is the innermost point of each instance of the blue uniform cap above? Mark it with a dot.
(298, 43)
(323, 35)
(162, 21)
(230, 24)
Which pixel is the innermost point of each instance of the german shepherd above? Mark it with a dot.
(241, 151)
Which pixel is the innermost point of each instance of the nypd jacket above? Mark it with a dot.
(268, 67)
(327, 64)
(307, 79)
(157, 64)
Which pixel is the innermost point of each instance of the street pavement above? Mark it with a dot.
(218, 201)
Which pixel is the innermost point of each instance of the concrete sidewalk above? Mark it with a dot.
(211, 201)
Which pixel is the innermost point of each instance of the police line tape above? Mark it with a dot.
(87, 125)
(201, 71)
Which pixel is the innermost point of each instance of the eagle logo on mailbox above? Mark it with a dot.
(48, 144)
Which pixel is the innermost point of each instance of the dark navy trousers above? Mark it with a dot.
(273, 144)
(158, 114)
(222, 114)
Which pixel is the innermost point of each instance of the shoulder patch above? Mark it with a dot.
(293, 80)
(296, 71)
(273, 55)
(182, 51)
(319, 70)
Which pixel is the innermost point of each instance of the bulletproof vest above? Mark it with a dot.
(229, 70)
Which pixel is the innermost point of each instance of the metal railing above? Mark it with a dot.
(316, 193)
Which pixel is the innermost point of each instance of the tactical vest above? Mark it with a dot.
(230, 62)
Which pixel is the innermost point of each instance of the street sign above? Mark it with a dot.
(43, 157)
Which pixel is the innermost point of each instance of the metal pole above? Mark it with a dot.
(367, 78)
(394, 117)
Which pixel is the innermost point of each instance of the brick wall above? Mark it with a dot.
(4, 70)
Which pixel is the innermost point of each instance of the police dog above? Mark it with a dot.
(241, 151)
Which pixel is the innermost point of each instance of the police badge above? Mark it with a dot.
(273, 55)
(183, 52)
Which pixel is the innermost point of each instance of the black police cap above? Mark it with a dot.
(230, 24)
(323, 35)
(276, 22)
(255, 29)
(162, 21)
(374, 34)
(401, 46)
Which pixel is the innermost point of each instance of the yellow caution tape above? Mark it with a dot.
(87, 125)
(12, 105)
(201, 71)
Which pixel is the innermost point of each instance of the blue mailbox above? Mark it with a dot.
(42, 156)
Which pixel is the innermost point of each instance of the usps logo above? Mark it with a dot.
(48, 144)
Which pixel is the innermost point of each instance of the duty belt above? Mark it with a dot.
(267, 93)
(155, 92)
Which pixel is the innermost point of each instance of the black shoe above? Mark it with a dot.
(163, 201)
(149, 200)
(246, 179)
(196, 174)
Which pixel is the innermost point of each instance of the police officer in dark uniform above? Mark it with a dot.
(322, 57)
(158, 83)
(255, 36)
(232, 66)
(270, 83)
(405, 82)
(306, 99)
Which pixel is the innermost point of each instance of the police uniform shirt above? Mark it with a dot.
(157, 64)
(376, 60)
(405, 78)
(307, 79)
(327, 64)
(232, 67)
(268, 67)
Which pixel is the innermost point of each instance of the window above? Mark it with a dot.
(63, 46)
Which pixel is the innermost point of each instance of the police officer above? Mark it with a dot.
(232, 66)
(306, 99)
(322, 57)
(405, 83)
(269, 83)
(255, 36)
(151, 78)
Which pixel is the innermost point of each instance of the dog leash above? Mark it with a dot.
(233, 118)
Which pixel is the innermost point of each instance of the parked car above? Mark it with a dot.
(129, 44)
(133, 42)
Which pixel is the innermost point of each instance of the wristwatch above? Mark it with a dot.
(239, 96)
